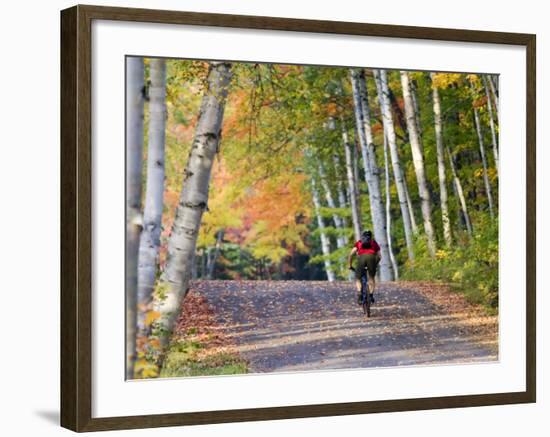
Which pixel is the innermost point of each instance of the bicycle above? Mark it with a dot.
(365, 298)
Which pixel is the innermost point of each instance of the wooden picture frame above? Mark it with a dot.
(76, 217)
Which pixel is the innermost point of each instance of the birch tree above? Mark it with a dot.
(418, 162)
(389, 130)
(493, 84)
(134, 151)
(213, 256)
(460, 192)
(342, 190)
(441, 166)
(325, 242)
(371, 170)
(349, 150)
(152, 214)
(342, 203)
(416, 109)
(410, 205)
(388, 209)
(484, 163)
(193, 200)
(491, 123)
(340, 240)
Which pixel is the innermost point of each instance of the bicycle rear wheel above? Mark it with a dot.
(365, 299)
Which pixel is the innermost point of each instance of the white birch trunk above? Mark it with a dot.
(409, 204)
(371, 170)
(491, 123)
(484, 163)
(416, 110)
(342, 203)
(493, 84)
(410, 207)
(460, 193)
(340, 191)
(340, 240)
(355, 216)
(418, 161)
(325, 242)
(193, 199)
(134, 151)
(388, 209)
(389, 130)
(152, 214)
(441, 167)
(355, 160)
(212, 261)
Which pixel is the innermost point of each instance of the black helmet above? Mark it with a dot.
(366, 239)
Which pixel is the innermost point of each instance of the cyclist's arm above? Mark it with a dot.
(353, 252)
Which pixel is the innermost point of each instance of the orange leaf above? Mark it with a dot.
(151, 317)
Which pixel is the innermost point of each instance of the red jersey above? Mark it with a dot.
(374, 248)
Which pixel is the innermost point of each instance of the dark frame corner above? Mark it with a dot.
(76, 221)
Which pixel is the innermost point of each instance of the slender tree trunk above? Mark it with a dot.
(410, 205)
(204, 263)
(388, 209)
(484, 163)
(342, 203)
(193, 198)
(418, 161)
(325, 241)
(194, 271)
(416, 110)
(267, 266)
(209, 255)
(389, 130)
(352, 184)
(134, 153)
(441, 167)
(355, 160)
(393, 107)
(460, 192)
(372, 172)
(341, 194)
(493, 84)
(212, 261)
(340, 240)
(150, 237)
(491, 123)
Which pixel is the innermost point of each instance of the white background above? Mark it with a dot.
(30, 215)
(112, 396)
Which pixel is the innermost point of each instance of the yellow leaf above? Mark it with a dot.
(151, 317)
(150, 372)
(443, 80)
(146, 369)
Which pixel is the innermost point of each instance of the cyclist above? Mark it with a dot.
(368, 256)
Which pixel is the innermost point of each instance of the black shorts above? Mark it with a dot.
(368, 261)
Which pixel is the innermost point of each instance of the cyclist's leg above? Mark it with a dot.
(359, 269)
(358, 288)
(371, 264)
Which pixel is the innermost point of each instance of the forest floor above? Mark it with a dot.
(280, 326)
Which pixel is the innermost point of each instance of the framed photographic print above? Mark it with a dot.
(268, 218)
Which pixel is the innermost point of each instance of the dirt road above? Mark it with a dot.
(280, 326)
